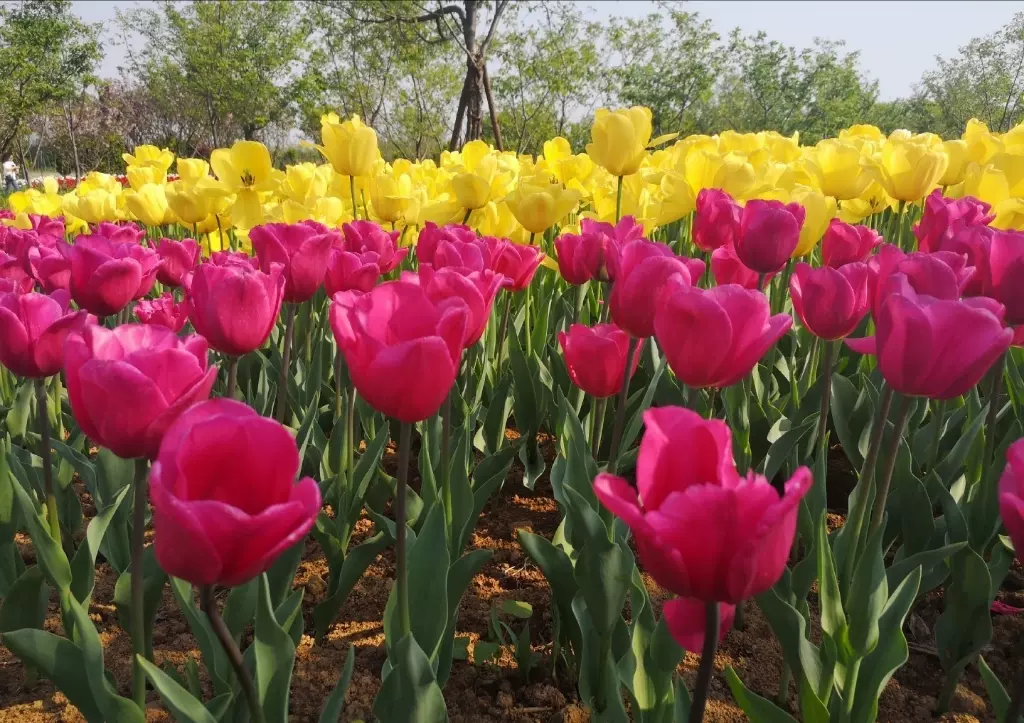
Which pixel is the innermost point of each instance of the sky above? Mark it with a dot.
(897, 41)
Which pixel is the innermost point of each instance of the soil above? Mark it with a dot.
(496, 692)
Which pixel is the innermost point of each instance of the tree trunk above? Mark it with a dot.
(495, 125)
(71, 136)
(474, 102)
(24, 165)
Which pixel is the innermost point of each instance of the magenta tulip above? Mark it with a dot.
(477, 289)
(364, 236)
(48, 226)
(1011, 495)
(120, 233)
(12, 270)
(517, 262)
(944, 217)
(844, 243)
(179, 259)
(936, 348)
(596, 357)
(225, 500)
(685, 617)
(465, 256)
(727, 268)
(941, 274)
(769, 233)
(127, 385)
(717, 220)
(702, 531)
(641, 270)
(591, 253)
(235, 306)
(106, 276)
(348, 271)
(432, 236)
(49, 267)
(715, 337)
(301, 249)
(33, 328)
(1006, 269)
(830, 302)
(402, 349)
(227, 258)
(163, 311)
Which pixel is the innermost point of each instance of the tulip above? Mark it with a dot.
(769, 233)
(33, 328)
(908, 169)
(840, 164)
(715, 337)
(685, 619)
(819, 210)
(469, 256)
(973, 245)
(929, 347)
(232, 258)
(106, 276)
(701, 530)
(727, 268)
(364, 236)
(595, 357)
(641, 270)
(846, 243)
(619, 139)
(941, 274)
(717, 220)
(589, 255)
(350, 147)
(517, 262)
(391, 197)
(49, 267)
(1011, 495)
(432, 236)
(149, 204)
(944, 217)
(127, 385)
(538, 204)
(477, 289)
(47, 226)
(235, 306)
(1006, 267)
(121, 233)
(402, 349)
(163, 311)
(347, 271)
(179, 259)
(194, 202)
(956, 169)
(301, 249)
(13, 272)
(830, 302)
(225, 474)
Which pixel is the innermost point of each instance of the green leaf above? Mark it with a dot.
(758, 709)
(460, 574)
(527, 400)
(25, 603)
(213, 653)
(409, 693)
(925, 560)
(965, 625)
(83, 573)
(533, 462)
(783, 447)
(868, 594)
(517, 608)
(60, 661)
(49, 555)
(485, 651)
(335, 704)
(240, 607)
(281, 575)
(183, 706)
(153, 578)
(790, 628)
(851, 414)
(997, 696)
(603, 572)
(19, 413)
(275, 658)
(635, 422)
(833, 618)
(358, 559)
(492, 432)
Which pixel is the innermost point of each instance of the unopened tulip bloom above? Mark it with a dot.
(596, 357)
(944, 217)
(121, 233)
(301, 249)
(717, 220)
(840, 164)
(477, 289)
(347, 271)
(830, 302)
(364, 236)
(686, 618)
(163, 311)
(726, 268)
(402, 349)
(845, 243)
(538, 204)
(33, 328)
(591, 253)
(179, 259)
(715, 337)
(908, 168)
(619, 139)
(47, 226)
(769, 233)
(12, 270)
(972, 244)
(228, 258)
(641, 270)
(349, 146)
(234, 305)
(225, 500)
(106, 276)
(49, 267)
(930, 347)
(701, 530)
(942, 274)
(433, 236)
(468, 256)
(1006, 267)
(819, 210)
(1011, 495)
(517, 262)
(127, 385)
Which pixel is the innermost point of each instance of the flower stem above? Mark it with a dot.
(826, 393)
(890, 464)
(138, 613)
(693, 398)
(44, 454)
(401, 574)
(620, 408)
(618, 201)
(209, 607)
(465, 219)
(352, 191)
(995, 390)
(597, 426)
(232, 376)
(286, 354)
(933, 449)
(504, 333)
(337, 384)
(707, 662)
(446, 462)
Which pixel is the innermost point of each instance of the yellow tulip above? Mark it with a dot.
(538, 204)
(842, 176)
(246, 170)
(1009, 214)
(862, 132)
(985, 182)
(956, 151)
(619, 139)
(873, 200)
(390, 196)
(159, 159)
(195, 202)
(820, 210)
(982, 144)
(351, 147)
(93, 206)
(731, 172)
(192, 169)
(908, 169)
(149, 205)
(139, 176)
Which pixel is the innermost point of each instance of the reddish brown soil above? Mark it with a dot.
(496, 692)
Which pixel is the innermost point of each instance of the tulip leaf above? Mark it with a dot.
(758, 709)
(997, 696)
(365, 472)
(281, 575)
(153, 579)
(851, 414)
(527, 395)
(636, 419)
(603, 572)
(952, 465)
(517, 608)
(491, 434)
(240, 607)
(533, 462)
(790, 628)
(19, 413)
(25, 604)
(83, 572)
(557, 569)
(409, 693)
(898, 571)
(182, 705)
(49, 555)
(79, 461)
(868, 594)
(781, 449)
(217, 664)
(833, 618)
(965, 625)
(275, 658)
(459, 576)
(305, 432)
(335, 704)
(356, 561)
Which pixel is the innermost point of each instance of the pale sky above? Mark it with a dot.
(898, 41)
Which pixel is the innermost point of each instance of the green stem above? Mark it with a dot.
(138, 612)
(693, 398)
(707, 662)
(401, 573)
(597, 426)
(44, 453)
(446, 460)
(995, 389)
(890, 464)
(232, 376)
(618, 201)
(286, 353)
(933, 449)
(350, 435)
(338, 361)
(850, 685)
(465, 219)
(620, 406)
(209, 607)
(352, 191)
(526, 319)
(504, 333)
(826, 393)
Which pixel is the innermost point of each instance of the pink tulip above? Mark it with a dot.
(844, 243)
(641, 270)
(127, 385)
(944, 217)
(715, 337)
(972, 244)
(47, 226)
(769, 233)
(717, 220)
(941, 274)
(163, 311)
(402, 349)
(32, 332)
(596, 357)
(106, 276)
(727, 268)
(466, 257)
(686, 622)
(301, 249)
(432, 236)
(702, 531)
(228, 258)
(49, 267)
(1006, 268)
(591, 254)
(225, 500)
(364, 236)
(179, 259)
(830, 302)
(120, 233)
(348, 271)
(930, 347)
(1011, 495)
(477, 289)
(12, 270)
(517, 262)
(235, 306)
